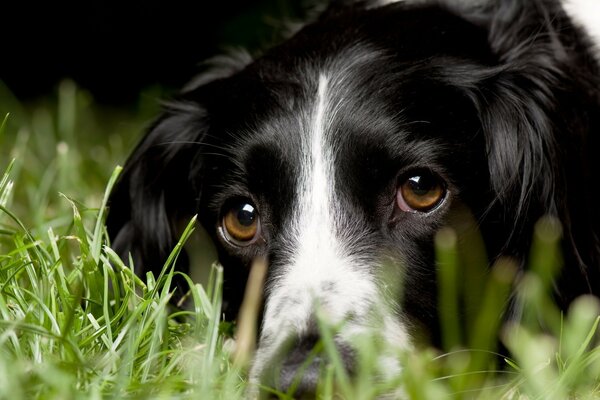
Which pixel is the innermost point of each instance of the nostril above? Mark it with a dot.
(301, 366)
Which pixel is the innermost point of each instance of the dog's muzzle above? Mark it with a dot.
(299, 365)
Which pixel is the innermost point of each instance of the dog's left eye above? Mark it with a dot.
(420, 192)
(241, 223)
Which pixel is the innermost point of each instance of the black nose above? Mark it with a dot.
(300, 368)
(302, 364)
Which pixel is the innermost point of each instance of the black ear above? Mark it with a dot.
(525, 99)
(517, 102)
(537, 105)
(157, 191)
(159, 188)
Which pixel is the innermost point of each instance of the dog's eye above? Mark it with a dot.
(420, 192)
(240, 223)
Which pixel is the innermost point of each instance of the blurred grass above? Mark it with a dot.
(77, 323)
(65, 144)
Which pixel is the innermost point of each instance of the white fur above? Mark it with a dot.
(586, 13)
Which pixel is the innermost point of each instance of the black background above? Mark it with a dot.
(115, 49)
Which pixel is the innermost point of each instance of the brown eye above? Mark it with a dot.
(240, 224)
(421, 192)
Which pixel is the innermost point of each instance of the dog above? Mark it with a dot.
(340, 153)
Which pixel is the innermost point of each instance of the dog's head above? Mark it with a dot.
(340, 153)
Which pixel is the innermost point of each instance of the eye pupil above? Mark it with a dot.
(421, 185)
(246, 215)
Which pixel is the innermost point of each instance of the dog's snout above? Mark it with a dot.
(301, 367)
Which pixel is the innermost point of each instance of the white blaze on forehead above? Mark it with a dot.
(316, 191)
(318, 250)
(319, 269)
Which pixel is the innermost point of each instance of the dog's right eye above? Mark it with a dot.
(241, 223)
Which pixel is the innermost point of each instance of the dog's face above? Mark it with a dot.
(339, 154)
(341, 190)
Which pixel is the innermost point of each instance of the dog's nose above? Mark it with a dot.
(301, 367)
(300, 379)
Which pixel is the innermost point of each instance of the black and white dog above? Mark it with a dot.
(341, 152)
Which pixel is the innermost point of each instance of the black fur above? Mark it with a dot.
(502, 100)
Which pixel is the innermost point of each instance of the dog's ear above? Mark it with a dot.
(537, 106)
(524, 103)
(156, 190)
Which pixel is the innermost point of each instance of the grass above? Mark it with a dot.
(77, 323)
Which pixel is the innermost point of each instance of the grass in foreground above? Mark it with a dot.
(77, 323)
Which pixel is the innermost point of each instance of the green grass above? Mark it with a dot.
(77, 323)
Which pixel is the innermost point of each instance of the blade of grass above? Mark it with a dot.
(448, 275)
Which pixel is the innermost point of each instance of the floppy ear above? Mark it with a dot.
(156, 191)
(519, 102)
(537, 106)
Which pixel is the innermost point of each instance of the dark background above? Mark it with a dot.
(116, 49)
